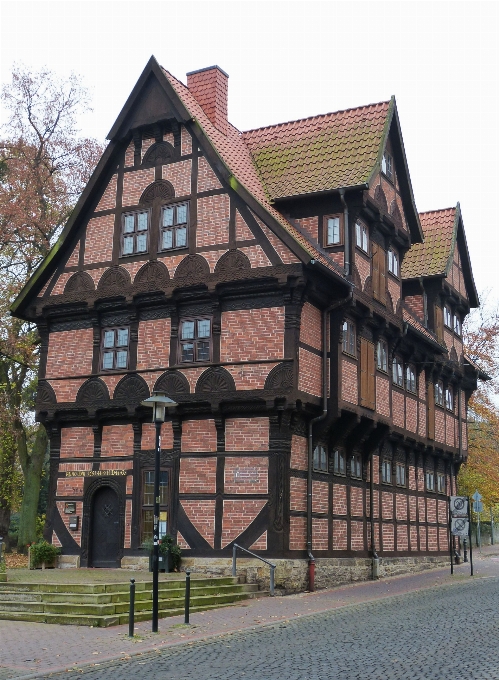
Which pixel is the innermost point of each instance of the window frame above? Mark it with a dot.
(457, 325)
(430, 475)
(441, 488)
(386, 471)
(356, 466)
(449, 399)
(195, 339)
(174, 227)
(399, 381)
(382, 350)
(163, 507)
(320, 459)
(349, 338)
(393, 257)
(439, 394)
(115, 348)
(339, 457)
(448, 317)
(400, 474)
(135, 232)
(411, 384)
(387, 166)
(362, 237)
(339, 217)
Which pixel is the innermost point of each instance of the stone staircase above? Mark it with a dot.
(103, 605)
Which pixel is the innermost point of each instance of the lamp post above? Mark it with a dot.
(158, 402)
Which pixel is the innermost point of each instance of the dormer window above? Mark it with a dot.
(393, 262)
(387, 165)
(457, 325)
(361, 237)
(448, 317)
(333, 229)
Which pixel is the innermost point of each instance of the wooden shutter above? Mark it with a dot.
(430, 410)
(439, 323)
(367, 374)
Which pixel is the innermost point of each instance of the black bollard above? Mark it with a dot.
(465, 549)
(131, 614)
(187, 595)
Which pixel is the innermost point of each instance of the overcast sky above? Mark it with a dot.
(288, 60)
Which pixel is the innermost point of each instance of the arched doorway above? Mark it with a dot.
(105, 529)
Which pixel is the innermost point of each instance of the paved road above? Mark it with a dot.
(443, 633)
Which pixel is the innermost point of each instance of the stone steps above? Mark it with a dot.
(108, 604)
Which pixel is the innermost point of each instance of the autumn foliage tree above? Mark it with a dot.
(44, 165)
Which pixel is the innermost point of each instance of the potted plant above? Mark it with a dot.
(42, 554)
(169, 553)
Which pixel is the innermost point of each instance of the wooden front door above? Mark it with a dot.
(105, 531)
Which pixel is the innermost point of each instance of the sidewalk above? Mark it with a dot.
(30, 650)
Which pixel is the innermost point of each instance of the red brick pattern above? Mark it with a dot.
(349, 387)
(185, 141)
(421, 509)
(171, 262)
(387, 505)
(134, 184)
(287, 257)
(238, 515)
(363, 265)
(74, 257)
(99, 239)
(96, 274)
(129, 155)
(338, 257)
(108, 199)
(192, 375)
(202, 515)
(388, 537)
(66, 390)
(70, 348)
(117, 440)
(74, 467)
(401, 506)
(179, 174)
(398, 408)
(339, 534)
(153, 349)
(442, 511)
(133, 267)
(250, 376)
(247, 434)
(297, 533)
(212, 257)
(402, 537)
(439, 425)
(213, 220)
(320, 497)
(411, 414)
(260, 543)
(298, 494)
(182, 542)
(197, 475)
(149, 436)
(357, 535)
(299, 455)
(60, 284)
(449, 429)
(413, 533)
(198, 435)
(243, 232)
(432, 538)
(443, 538)
(65, 518)
(207, 179)
(422, 419)
(431, 510)
(422, 537)
(339, 499)
(415, 304)
(375, 503)
(311, 226)
(249, 334)
(356, 501)
(77, 442)
(412, 477)
(320, 531)
(246, 475)
(394, 290)
(256, 256)
(383, 395)
(310, 372)
(311, 326)
(69, 486)
(209, 87)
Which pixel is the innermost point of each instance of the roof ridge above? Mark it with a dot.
(427, 212)
(317, 115)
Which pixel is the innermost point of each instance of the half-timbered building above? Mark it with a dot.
(281, 287)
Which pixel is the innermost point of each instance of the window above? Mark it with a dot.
(174, 226)
(447, 317)
(439, 393)
(114, 348)
(349, 338)
(441, 483)
(320, 458)
(400, 474)
(195, 340)
(397, 372)
(386, 471)
(382, 356)
(148, 504)
(387, 165)
(339, 462)
(135, 231)
(410, 379)
(333, 230)
(356, 465)
(393, 262)
(361, 237)
(430, 481)
(449, 399)
(457, 325)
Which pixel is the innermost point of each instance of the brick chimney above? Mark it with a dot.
(209, 86)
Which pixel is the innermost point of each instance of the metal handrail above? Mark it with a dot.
(235, 546)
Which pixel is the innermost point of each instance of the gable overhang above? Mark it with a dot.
(393, 130)
(459, 238)
(326, 192)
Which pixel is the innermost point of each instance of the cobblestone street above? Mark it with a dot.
(431, 634)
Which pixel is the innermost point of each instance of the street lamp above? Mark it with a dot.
(159, 402)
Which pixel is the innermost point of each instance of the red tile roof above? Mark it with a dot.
(432, 256)
(320, 153)
(418, 326)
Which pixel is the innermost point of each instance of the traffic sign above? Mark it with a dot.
(476, 496)
(460, 526)
(458, 506)
(478, 506)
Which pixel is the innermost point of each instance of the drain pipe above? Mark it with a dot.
(311, 558)
(346, 231)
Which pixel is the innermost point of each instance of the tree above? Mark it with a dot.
(481, 471)
(44, 166)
